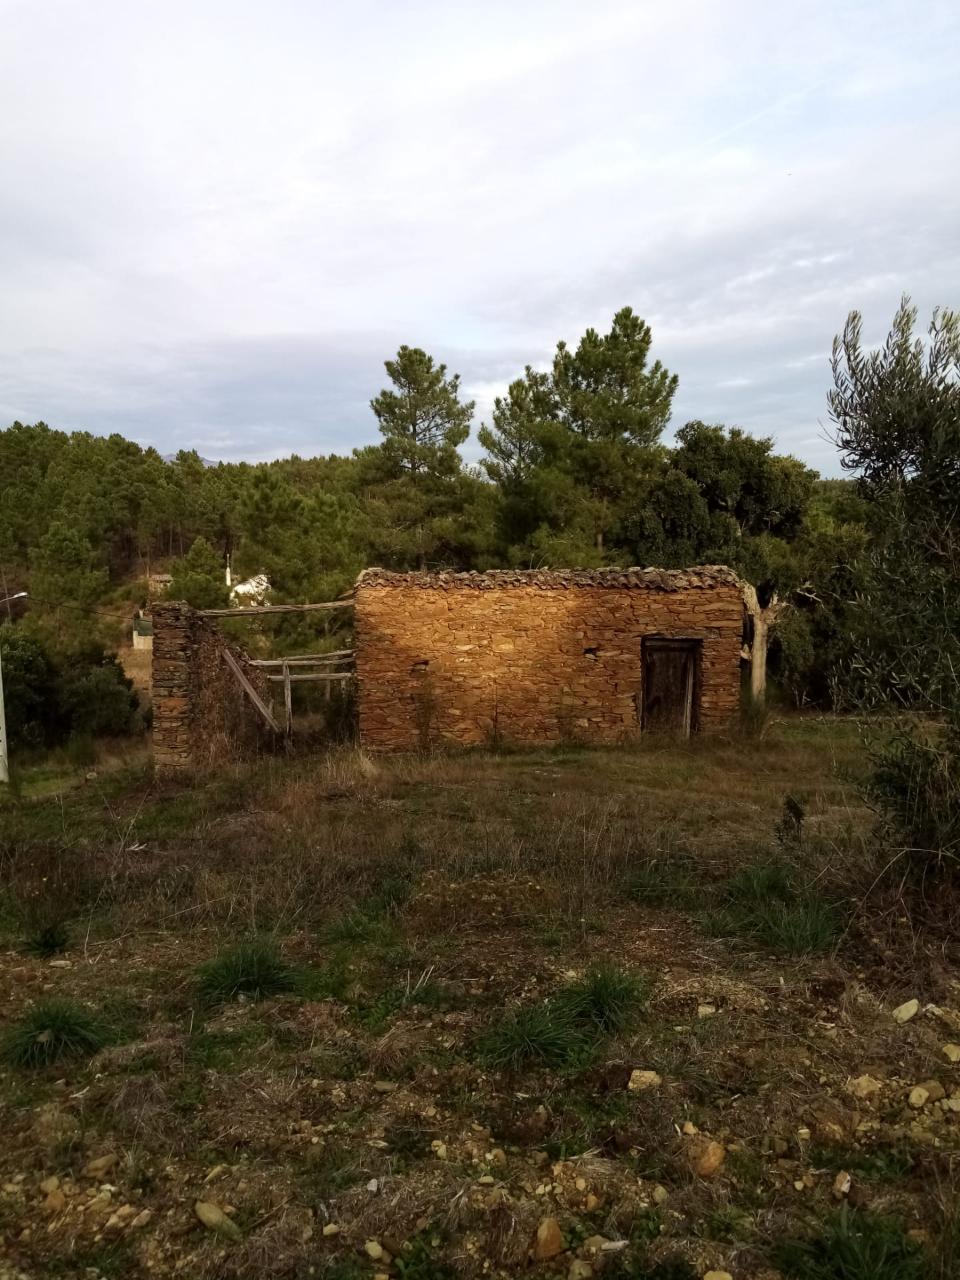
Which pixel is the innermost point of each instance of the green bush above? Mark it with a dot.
(254, 968)
(96, 698)
(51, 1030)
(915, 786)
(30, 691)
(55, 697)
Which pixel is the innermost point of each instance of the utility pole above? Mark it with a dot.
(4, 760)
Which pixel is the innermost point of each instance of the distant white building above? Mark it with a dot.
(252, 591)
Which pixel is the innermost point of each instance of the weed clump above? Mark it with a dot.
(564, 1030)
(543, 1033)
(765, 903)
(662, 882)
(47, 939)
(254, 968)
(673, 1267)
(853, 1246)
(51, 1030)
(605, 999)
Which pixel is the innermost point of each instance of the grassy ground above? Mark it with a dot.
(558, 1013)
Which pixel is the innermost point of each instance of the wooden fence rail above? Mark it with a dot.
(249, 610)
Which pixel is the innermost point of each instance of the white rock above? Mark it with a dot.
(919, 1097)
(952, 1052)
(640, 1080)
(864, 1087)
(904, 1012)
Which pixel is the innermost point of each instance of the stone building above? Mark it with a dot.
(201, 714)
(595, 656)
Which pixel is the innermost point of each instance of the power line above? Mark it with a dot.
(79, 608)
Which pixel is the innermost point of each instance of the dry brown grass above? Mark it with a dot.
(479, 882)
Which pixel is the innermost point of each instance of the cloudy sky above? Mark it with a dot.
(218, 217)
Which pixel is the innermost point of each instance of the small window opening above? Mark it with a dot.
(421, 665)
(591, 652)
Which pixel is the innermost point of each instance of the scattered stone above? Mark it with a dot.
(706, 1010)
(919, 1097)
(384, 1086)
(214, 1219)
(55, 1202)
(689, 1128)
(952, 1052)
(591, 1202)
(497, 1157)
(842, 1184)
(61, 964)
(717, 1275)
(640, 1080)
(100, 1202)
(49, 1184)
(579, 1270)
(904, 1012)
(121, 1217)
(864, 1087)
(706, 1157)
(331, 1229)
(660, 1195)
(439, 1149)
(141, 1220)
(935, 1089)
(374, 1250)
(101, 1166)
(593, 1244)
(215, 1173)
(549, 1240)
(373, 1185)
(486, 1180)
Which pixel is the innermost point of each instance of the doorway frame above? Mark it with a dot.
(692, 645)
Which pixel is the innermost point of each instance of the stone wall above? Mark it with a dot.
(534, 657)
(200, 713)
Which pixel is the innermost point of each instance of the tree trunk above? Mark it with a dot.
(763, 620)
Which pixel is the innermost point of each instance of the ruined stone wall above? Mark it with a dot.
(539, 659)
(200, 713)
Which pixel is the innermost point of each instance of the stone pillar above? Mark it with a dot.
(174, 683)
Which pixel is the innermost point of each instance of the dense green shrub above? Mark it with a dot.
(915, 785)
(29, 689)
(53, 697)
(96, 698)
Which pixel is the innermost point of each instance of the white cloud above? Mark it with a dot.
(218, 219)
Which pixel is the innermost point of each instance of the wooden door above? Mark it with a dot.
(669, 686)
